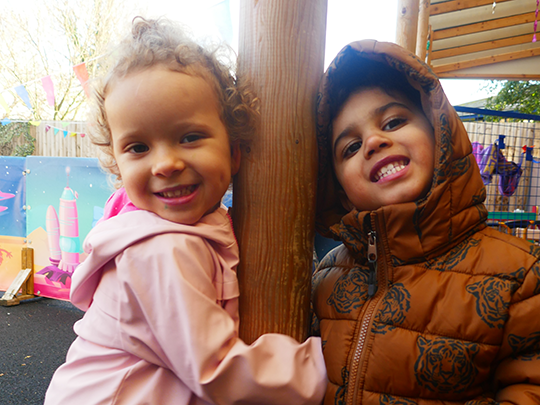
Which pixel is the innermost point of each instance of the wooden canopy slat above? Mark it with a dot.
(482, 46)
(456, 5)
(486, 60)
(495, 41)
(484, 26)
(488, 76)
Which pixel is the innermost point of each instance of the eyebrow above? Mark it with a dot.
(348, 129)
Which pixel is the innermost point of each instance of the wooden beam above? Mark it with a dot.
(456, 5)
(488, 60)
(482, 46)
(495, 76)
(281, 49)
(423, 24)
(430, 45)
(484, 26)
(407, 24)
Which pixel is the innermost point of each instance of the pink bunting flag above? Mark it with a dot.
(48, 86)
(82, 75)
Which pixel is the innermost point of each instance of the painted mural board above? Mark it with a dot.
(12, 196)
(65, 198)
(10, 259)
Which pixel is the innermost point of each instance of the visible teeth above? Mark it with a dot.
(178, 193)
(389, 169)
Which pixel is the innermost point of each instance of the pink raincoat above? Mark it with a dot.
(161, 323)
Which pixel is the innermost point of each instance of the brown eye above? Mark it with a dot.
(394, 123)
(191, 138)
(352, 148)
(139, 148)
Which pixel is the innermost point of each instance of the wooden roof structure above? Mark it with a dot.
(483, 39)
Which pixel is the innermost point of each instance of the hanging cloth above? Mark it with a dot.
(491, 161)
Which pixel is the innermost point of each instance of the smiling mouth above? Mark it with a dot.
(181, 192)
(389, 169)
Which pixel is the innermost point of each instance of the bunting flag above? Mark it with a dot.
(48, 86)
(82, 75)
(4, 104)
(23, 94)
(64, 131)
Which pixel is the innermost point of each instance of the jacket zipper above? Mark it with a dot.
(372, 260)
(352, 391)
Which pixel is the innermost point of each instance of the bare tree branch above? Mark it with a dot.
(50, 40)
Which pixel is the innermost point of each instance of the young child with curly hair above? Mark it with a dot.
(159, 284)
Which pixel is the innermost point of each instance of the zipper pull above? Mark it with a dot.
(372, 260)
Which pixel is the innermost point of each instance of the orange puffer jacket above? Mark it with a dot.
(423, 303)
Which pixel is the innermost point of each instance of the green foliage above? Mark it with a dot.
(519, 96)
(15, 139)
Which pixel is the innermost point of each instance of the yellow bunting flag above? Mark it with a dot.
(4, 104)
(35, 123)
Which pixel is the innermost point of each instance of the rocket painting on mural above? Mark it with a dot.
(63, 238)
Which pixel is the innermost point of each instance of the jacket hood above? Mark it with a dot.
(452, 208)
(110, 238)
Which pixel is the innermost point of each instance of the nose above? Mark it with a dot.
(166, 163)
(375, 143)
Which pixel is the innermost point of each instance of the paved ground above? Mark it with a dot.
(34, 338)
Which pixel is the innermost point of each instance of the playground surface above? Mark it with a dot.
(34, 338)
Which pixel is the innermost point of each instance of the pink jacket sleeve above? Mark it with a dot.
(170, 315)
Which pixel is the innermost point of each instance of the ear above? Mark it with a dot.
(236, 155)
(345, 202)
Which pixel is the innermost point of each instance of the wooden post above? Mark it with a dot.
(423, 26)
(23, 282)
(430, 50)
(281, 48)
(407, 24)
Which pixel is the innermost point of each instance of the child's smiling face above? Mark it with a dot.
(383, 150)
(170, 143)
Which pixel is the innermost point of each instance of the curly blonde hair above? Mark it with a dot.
(163, 42)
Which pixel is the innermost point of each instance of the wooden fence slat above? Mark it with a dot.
(50, 144)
